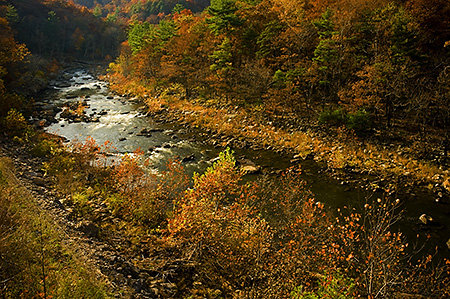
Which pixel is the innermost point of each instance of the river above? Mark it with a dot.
(126, 125)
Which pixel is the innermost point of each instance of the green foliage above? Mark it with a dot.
(325, 54)
(166, 31)
(60, 164)
(325, 25)
(139, 34)
(12, 15)
(97, 11)
(79, 287)
(359, 121)
(223, 16)
(404, 37)
(145, 35)
(223, 57)
(252, 2)
(281, 79)
(45, 148)
(155, 7)
(335, 117)
(15, 124)
(218, 180)
(266, 39)
(335, 286)
(82, 200)
(178, 8)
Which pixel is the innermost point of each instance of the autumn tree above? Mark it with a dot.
(11, 55)
(48, 27)
(434, 22)
(186, 58)
(389, 69)
(78, 39)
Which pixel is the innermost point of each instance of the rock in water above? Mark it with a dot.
(248, 166)
(250, 169)
(425, 219)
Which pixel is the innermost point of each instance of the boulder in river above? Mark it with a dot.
(250, 169)
(426, 219)
(248, 166)
(62, 85)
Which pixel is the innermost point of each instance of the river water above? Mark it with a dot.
(126, 125)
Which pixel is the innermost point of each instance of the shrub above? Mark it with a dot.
(335, 117)
(45, 148)
(10, 101)
(15, 124)
(260, 237)
(215, 226)
(359, 121)
(334, 286)
(82, 200)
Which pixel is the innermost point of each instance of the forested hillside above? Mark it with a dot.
(38, 36)
(142, 10)
(12, 55)
(61, 28)
(363, 64)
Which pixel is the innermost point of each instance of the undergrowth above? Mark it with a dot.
(263, 239)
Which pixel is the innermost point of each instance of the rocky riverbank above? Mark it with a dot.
(385, 175)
